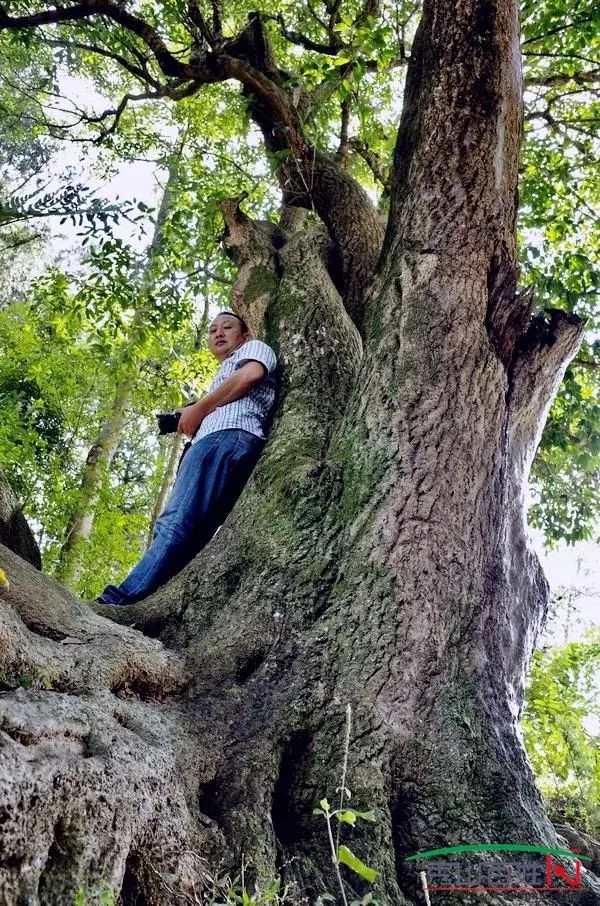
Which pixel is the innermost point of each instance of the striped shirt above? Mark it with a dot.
(250, 412)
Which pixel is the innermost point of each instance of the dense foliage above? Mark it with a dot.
(560, 724)
(560, 229)
(57, 381)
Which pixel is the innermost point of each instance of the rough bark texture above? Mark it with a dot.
(377, 557)
(581, 842)
(317, 182)
(14, 530)
(310, 179)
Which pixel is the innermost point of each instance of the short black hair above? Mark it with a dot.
(232, 314)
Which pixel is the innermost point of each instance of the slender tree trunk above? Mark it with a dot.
(97, 462)
(169, 472)
(102, 451)
(378, 557)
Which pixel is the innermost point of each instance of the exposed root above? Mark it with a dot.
(50, 636)
(90, 796)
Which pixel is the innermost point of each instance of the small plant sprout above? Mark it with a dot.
(341, 854)
(226, 892)
(103, 896)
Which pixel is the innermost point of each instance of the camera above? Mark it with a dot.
(167, 422)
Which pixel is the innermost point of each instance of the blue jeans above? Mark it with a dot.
(210, 479)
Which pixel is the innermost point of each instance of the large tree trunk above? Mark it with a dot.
(378, 557)
(347, 573)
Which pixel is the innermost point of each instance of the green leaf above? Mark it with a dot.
(367, 816)
(347, 817)
(324, 805)
(106, 897)
(346, 857)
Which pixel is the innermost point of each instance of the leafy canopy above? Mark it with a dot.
(342, 65)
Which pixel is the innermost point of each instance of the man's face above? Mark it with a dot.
(224, 335)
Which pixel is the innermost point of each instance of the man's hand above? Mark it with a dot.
(190, 419)
(233, 388)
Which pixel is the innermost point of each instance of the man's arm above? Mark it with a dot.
(233, 388)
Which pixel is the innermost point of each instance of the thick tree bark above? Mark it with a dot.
(309, 178)
(336, 579)
(378, 557)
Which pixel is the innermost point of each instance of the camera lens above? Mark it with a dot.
(167, 422)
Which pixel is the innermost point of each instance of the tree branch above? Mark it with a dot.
(542, 356)
(169, 63)
(248, 58)
(296, 37)
(19, 242)
(585, 363)
(217, 68)
(344, 126)
(562, 127)
(373, 161)
(559, 78)
(560, 56)
(217, 18)
(250, 244)
(331, 83)
(333, 8)
(199, 21)
(555, 31)
(118, 112)
(315, 15)
(282, 114)
(137, 71)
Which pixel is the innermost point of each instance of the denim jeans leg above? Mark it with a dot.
(212, 475)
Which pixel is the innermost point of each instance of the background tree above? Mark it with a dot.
(562, 696)
(57, 387)
(102, 451)
(378, 556)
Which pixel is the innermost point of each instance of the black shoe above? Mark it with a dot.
(104, 603)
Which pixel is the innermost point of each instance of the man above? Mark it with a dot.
(228, 428)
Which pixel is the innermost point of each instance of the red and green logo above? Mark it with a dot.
(442, 871)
